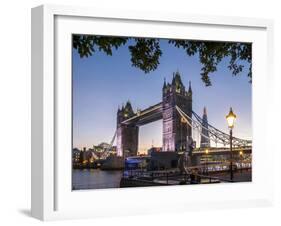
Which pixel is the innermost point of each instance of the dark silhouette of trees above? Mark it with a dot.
(146, 52)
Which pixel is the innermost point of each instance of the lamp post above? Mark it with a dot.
(230, 120)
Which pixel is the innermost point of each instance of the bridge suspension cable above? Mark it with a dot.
(113, 138)
(222, 135)
(215, 135)
(107, 150)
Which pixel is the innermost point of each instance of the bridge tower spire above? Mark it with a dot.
(189, 88)
(164, 85)
(205, 141)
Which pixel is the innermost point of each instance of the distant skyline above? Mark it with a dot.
(103, 83)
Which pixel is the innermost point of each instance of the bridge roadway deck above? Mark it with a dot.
(221, 150)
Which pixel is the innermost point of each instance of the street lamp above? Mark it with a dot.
(230, 120)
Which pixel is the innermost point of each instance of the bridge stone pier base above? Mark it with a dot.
(127, 140)
(195, 160)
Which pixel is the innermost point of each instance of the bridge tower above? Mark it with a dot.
(127, 135)
(204, 141)
(175, 131)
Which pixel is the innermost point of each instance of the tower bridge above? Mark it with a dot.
(179, 122)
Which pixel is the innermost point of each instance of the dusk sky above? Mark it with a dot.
(101, 83)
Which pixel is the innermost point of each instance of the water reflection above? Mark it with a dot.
(95, 179)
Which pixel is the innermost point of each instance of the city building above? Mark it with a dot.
(75, 155)
(153, 149)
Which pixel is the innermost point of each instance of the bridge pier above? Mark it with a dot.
(195, 160)
(127, 140)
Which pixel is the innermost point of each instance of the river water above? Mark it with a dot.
(95, 179)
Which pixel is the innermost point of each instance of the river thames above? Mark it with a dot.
(95, 179)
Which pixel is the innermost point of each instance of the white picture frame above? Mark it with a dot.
(52, 197)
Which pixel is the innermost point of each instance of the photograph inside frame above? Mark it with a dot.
(157, 112)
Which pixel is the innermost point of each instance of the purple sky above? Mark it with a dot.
(101, 83)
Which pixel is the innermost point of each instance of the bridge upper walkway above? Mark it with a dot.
(148, 115)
